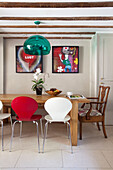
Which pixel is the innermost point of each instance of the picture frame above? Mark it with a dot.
(65, 59)
(26, 63)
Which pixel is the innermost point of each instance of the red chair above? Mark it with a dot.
(25, 107)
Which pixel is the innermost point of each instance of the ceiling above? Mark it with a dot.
(59, 19)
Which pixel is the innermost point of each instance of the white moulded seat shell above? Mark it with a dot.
(1, 105)
(49, 119)
(2, 117)
(58, 108)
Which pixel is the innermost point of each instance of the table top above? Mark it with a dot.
(7, 98)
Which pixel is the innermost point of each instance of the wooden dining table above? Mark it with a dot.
(7, 99)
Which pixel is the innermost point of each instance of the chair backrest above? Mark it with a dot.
(24, 107)
(1, 105)
(58, 107)
(103, 96)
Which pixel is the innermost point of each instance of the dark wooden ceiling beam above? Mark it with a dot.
(57, 18)
(89, 38)
(55, 4)
(91, 33)
(56, 26)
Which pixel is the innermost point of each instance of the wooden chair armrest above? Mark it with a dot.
(102, 102)
(92, 102)
(88, 103)
(92, 97)
(84, 105)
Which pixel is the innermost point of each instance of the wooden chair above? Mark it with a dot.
(95, 115)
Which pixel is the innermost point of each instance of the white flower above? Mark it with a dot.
(38, 71)
(60, 69)
(35, 76)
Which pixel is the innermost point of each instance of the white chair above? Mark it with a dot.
(57, 108)
(2, 117)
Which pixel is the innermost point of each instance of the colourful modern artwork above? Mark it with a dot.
(65, 59)
(26, 63)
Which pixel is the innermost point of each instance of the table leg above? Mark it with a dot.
(7, 109)
(74, 122)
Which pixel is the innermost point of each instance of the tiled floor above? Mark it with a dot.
(94, 152)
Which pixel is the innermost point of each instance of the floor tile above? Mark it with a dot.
(91, 159)
(9, 159)
(99, 169)
(19, 169)
(94, 152)
(7, 135)
(57, 137)
(51, 158)
(109, 130)
(62, 168)
(89, 130)
(57, 143)
(109, 157)
(24, 143)
(98, 143)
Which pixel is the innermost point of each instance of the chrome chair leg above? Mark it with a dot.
(11, 121)
(70, 137)
(2, 136)
(45, 132)
(41, 128)
(68, 130)
(20, 128)
(12, 135)
(37, 136)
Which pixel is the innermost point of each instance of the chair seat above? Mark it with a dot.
(33, 118)
(83, 112)
(4, 116)
(49, 119)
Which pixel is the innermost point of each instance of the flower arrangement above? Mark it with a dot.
(38, 82)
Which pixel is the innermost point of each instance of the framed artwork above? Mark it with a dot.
(65, 59)
(26, 63)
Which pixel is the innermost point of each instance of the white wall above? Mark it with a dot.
(21, 83)
(1, 66)
(93, 67)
